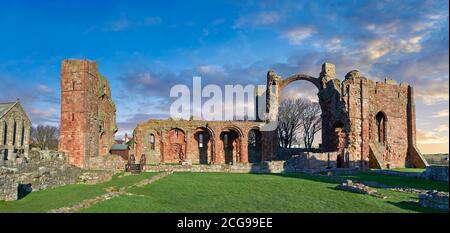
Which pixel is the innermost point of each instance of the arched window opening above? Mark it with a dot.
(381, 127)
(254, 146)
(14, 133)
(22, 138)
(5, 133)
(152, 141)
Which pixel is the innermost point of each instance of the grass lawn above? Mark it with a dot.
(228, 192)
(45, 200)
(221, 192)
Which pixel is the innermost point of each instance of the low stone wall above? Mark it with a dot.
(107, 162)
(17, 180)
(436, 173)
(399, 173)
(432, 173)
(269, 167)
(306, 162)
(434, 199)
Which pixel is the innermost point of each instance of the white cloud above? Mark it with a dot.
(43, 88)
(297, 35)
(442, 128)
(380, 47)
(442, 113)
(430, 137)
(259, 19)
(211, 70)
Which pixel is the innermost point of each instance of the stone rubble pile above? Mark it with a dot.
(349, 186)
(94, 177)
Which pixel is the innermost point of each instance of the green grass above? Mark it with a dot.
(45, 200)
(222, 192)
(228, 192)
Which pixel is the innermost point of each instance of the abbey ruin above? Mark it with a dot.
(366, 124)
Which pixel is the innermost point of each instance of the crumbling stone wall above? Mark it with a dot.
(355, 112)
(88, 121)
(366, 123)
(43, 170)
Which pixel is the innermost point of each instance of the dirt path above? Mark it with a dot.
(111, 192)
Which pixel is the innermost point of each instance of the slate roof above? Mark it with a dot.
(4, 107)
(119, 147)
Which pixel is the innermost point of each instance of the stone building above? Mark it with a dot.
(88, 113)
(369, 124)
(15, 128)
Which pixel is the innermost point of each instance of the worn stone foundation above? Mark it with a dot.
(434, 199)
(306, 162)
(19, 179)
(437, 173)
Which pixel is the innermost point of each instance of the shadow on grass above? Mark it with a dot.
(414, 206)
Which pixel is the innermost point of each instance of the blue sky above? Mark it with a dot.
(146, 47)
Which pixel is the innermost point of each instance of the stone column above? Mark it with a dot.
(218, 150)
(163, 145)
(187, 140)
(244, 149)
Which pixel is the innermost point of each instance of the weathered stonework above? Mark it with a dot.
(350, 186)
(88, 114)
(15, 128)
(371, 124)
(436, 173)
(434, 199)
(175, 141)
(38, 173)
(366, 124)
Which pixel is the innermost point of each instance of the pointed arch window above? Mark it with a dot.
(152, 141)
(381, 127)
(5, 133)
(14, 133)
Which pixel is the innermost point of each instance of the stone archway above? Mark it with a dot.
(204, 144)
(176, 151)
(231, 141)
(254, 146)
(329, 100)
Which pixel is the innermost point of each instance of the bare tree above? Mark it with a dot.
(45, 137)
(289, 120)
(311, 123)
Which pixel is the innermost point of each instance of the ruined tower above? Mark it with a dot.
(88, 121)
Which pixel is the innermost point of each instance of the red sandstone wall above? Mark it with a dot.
(82, 110)
(165, 137)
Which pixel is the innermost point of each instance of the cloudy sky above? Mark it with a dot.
(146, 48)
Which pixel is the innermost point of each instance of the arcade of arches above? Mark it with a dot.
(201, 142)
